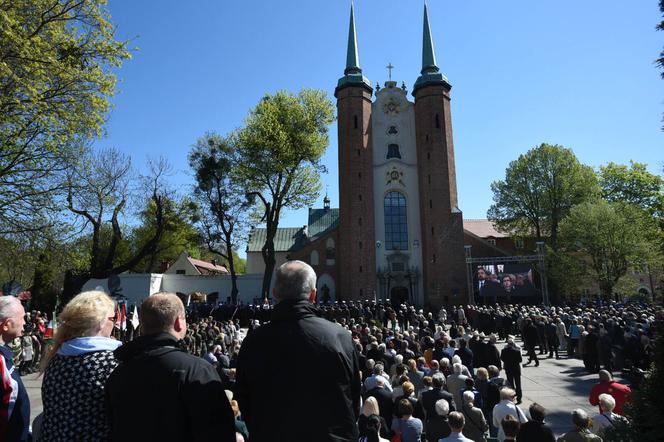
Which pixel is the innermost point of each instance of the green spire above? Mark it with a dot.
(428, 52)
(353, 73)
(430, 73)
(352, 55)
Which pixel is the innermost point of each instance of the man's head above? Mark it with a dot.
(510, 426)
(606, 402)
(481, 274)
(294, 280)
(537, 412)
(456, 421)
(12, 318)
(580, 418)
(507, 282)
(438, 380)
(605, 376)
(163, 313)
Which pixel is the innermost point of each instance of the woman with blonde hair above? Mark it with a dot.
(370, 408)
(76, 368)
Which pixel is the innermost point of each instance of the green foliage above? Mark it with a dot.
(633, 184)
(221, 195)
(539, 190)
(179, 235)
(280, 149)
(55, 79)
(610, 238)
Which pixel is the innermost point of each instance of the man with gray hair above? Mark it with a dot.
(297, 358)
(581, 432)
(14, 402)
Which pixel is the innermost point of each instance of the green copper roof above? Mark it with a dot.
(428, 52)
(352, 55)
(353, 72)
(322, 221)
(430, 73)
(287, 239)
(290, 239)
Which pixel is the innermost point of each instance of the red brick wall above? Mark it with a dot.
(357, 260)
(443, 257)
(320, 245)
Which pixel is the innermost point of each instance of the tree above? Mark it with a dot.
(55, 79)
(179, 234)
(633, 184)
(280, 149)
(98, 191)
(610, 238)
(539, 190)
(222, 197)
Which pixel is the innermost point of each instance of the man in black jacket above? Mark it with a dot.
(511, 357)
(530, 340)
(384, 399)
(159, 392)
(429, 398)
(298, 377)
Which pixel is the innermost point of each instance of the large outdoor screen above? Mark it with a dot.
(506, 283)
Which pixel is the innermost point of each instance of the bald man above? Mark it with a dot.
(298, 377)
(14, 401)
(159, 392)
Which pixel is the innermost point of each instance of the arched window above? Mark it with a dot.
(329, 251)
(314, 258)
(393, 151)
(396, 225)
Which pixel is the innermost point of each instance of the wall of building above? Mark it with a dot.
(327, 270)
(392, 109)
(255, 263)
(138, 286)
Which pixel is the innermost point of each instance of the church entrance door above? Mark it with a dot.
(398, 295)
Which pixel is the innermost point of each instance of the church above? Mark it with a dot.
(398, 234)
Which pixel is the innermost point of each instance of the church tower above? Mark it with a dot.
(357, 271)
(443, 257)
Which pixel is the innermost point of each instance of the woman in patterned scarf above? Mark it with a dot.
(76, 368)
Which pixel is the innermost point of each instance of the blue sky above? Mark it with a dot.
(523, 72)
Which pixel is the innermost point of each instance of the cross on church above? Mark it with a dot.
(389, 68)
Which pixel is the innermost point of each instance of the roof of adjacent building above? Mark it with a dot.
(287, 239)
(290, 239)
(483, 228)
(208, 266)
(322, 221)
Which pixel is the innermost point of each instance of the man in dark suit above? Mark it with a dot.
(530, 339)
(466, 355)
(511, 357)
(384, 399)
(429, 398)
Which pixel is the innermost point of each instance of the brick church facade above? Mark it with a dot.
(398, 233)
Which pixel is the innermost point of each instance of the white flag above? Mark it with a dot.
(134, 318)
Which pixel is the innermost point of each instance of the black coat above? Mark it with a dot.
(429, 399)
(159, 392)
(533, 431)
(511, 357)
(291, 364)
(493, 356)
(530, 335)
(385, 403)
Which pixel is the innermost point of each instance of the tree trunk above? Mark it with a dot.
(231, 267)
(268, 258)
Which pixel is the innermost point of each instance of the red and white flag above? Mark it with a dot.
(121, 317)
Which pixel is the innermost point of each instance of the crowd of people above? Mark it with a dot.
(297, 371)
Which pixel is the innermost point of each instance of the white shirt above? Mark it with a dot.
(604, 420)
(502, 409)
